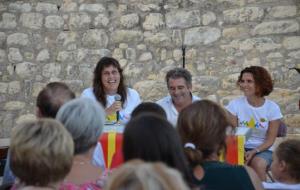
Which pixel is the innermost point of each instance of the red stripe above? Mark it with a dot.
(104, 143)
(232, 150)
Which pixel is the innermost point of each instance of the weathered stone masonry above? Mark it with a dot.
(56, 40)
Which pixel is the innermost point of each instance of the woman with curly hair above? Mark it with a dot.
(109, 89)
(260, 114)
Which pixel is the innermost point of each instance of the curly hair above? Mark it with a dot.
(262, 79)
(204, 124)
(98, 88)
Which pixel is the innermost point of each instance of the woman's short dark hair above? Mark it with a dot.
(149, 107)
(98, 83)
(152, 138)
(262, 79)
(204, 124)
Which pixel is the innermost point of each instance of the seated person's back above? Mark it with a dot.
(202, 127)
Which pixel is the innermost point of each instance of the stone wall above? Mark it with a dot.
(55, 40)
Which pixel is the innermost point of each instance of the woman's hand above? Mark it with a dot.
(249, 155)
(116, 106)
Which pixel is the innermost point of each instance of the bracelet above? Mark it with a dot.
(257, 150)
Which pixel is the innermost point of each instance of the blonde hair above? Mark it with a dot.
(41, 152)
(137, 175)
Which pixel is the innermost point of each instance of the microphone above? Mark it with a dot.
(118, 98)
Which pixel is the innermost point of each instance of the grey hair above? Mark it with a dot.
(84, 119)
(179, 73)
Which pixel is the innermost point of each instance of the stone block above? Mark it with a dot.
(147, 56)
(69, 6)
(66, 38)
(151, 90)
(26, 69)
(119, 36)
(32, 20)
(283, 11)
(201, 35)
(291, 42)
(98, 8)
(153, 21)
(51, 70)
(129, 20)
(95, 39)
(18, 39)
(295, 54)
(2, 56)
(183, 19)
(46, 8)
(79, 20)
(246, 14)
(8, 21)
(101, 20)
(276, 27)
(14, 55)
(43, 56)
(14, 105)
(19, 7)
(161, 39)
(2, 38)
(3, 87)
(208, 18)
(14, 87)
(54, 22)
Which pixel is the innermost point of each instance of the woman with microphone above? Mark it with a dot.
(109, 89)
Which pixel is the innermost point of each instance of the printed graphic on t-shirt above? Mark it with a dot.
(252, 123)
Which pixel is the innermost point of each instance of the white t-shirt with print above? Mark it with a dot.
(133, 99)
(167, 104)
(256, 118)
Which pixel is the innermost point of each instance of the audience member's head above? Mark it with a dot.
(262, 79)
(51, 98)
(286, 162)
(84, 119)
(136, 175)
(148, 107)
(41, 153)
(202, 128)
(152, 138)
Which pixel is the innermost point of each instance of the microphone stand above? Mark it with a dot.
(183, 55)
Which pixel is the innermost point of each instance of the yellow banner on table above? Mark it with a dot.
(112, 118)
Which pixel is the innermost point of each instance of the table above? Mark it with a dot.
(112, 141)
(235, 146)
